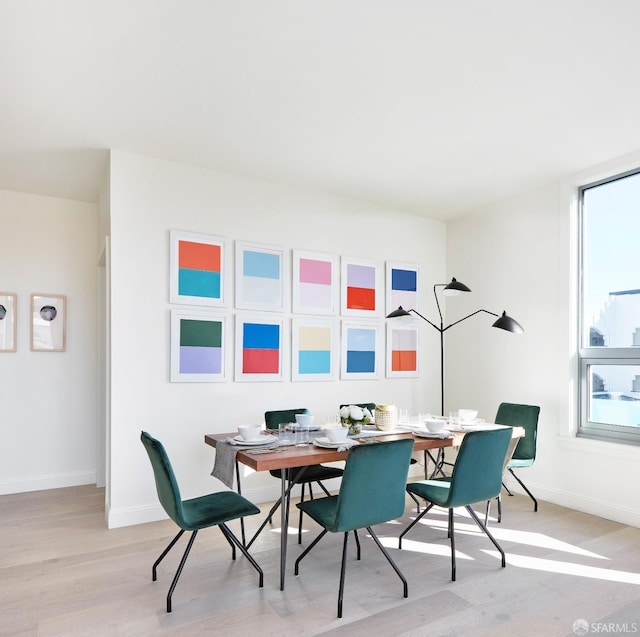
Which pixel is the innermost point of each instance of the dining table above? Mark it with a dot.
(288, 458)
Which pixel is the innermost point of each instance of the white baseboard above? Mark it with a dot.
(579, 502)
(52, 481)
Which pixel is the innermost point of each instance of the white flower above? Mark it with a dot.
(367, 414)
(344, 412)
(356, 412)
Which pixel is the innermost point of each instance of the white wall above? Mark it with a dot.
(518, 256)
(148, 198)
(49, 398)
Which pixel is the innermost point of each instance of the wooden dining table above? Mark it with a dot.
(292, 457)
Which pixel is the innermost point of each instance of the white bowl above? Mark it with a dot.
(434, 425)
(250, 432)
(336, 434)
(467, 415)
(304, 420)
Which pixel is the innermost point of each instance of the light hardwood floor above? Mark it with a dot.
(64, 574)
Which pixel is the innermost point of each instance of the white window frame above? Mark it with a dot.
(588, 356)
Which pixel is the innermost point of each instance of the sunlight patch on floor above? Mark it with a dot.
(505, 534)
(567, 568)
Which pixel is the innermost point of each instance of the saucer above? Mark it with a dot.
(327, 444)
(262, 440)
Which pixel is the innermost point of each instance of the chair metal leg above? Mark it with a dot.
(453, 546)
(355, 533)
(226, 531)
(302, 486)
(535, 502)
(343, 569)
(413, 497)
(413, 524)
(486, 513)
(179, 571)
(393, 564)
(506, 488)
(499, 499)
(487, 533)
(154, 572)
(307, 550)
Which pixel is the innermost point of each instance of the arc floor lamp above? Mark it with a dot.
(504, 322)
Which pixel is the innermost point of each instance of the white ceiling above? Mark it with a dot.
(430, 106)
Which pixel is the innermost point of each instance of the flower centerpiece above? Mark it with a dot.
(354, 417)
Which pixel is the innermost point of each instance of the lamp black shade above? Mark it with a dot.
(505, 322)
(399, 312)
(454, 288)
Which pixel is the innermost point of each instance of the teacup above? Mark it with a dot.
(250, 432)
(304, 420)
(467, 415)
(337, 434)
(434, 425)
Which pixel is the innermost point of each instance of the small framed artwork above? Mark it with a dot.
(314, 349)
(315, 283)
(401, 286)
(262, 277)
(361, 290)
(8, 304)
(48, 322)
(260, 344)
(198, 269)
(361, 351)
(199, 347)
(402, 351)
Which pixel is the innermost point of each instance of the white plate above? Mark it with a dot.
(429, 434)
(263, 440)
(327, 444)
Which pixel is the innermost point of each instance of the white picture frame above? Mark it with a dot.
(48, 323)
(8, 322)
(315, 346)
(199, 269)
(361, 288)
(361, 350)
(200, 346)
(262, 277)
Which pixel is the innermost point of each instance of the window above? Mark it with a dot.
(610, 309)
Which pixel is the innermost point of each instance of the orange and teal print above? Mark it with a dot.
(199, 269)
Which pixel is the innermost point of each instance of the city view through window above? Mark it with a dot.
(611, 299)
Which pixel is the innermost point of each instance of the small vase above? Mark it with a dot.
(355, 428)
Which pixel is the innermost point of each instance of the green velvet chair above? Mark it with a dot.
(372, 492)
(524, 455)
(302, 476)
(215, 509)
(476, 477)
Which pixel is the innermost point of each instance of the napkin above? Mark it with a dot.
(225, 462)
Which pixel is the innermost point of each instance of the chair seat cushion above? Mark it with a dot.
(321, 510)
(215, 508)
(311, 473)
(436, 491)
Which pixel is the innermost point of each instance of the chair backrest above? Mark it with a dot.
(477, 472)
(274, 418)
(166, 485)
(373, 486)
(370, 406)
(525, 416)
